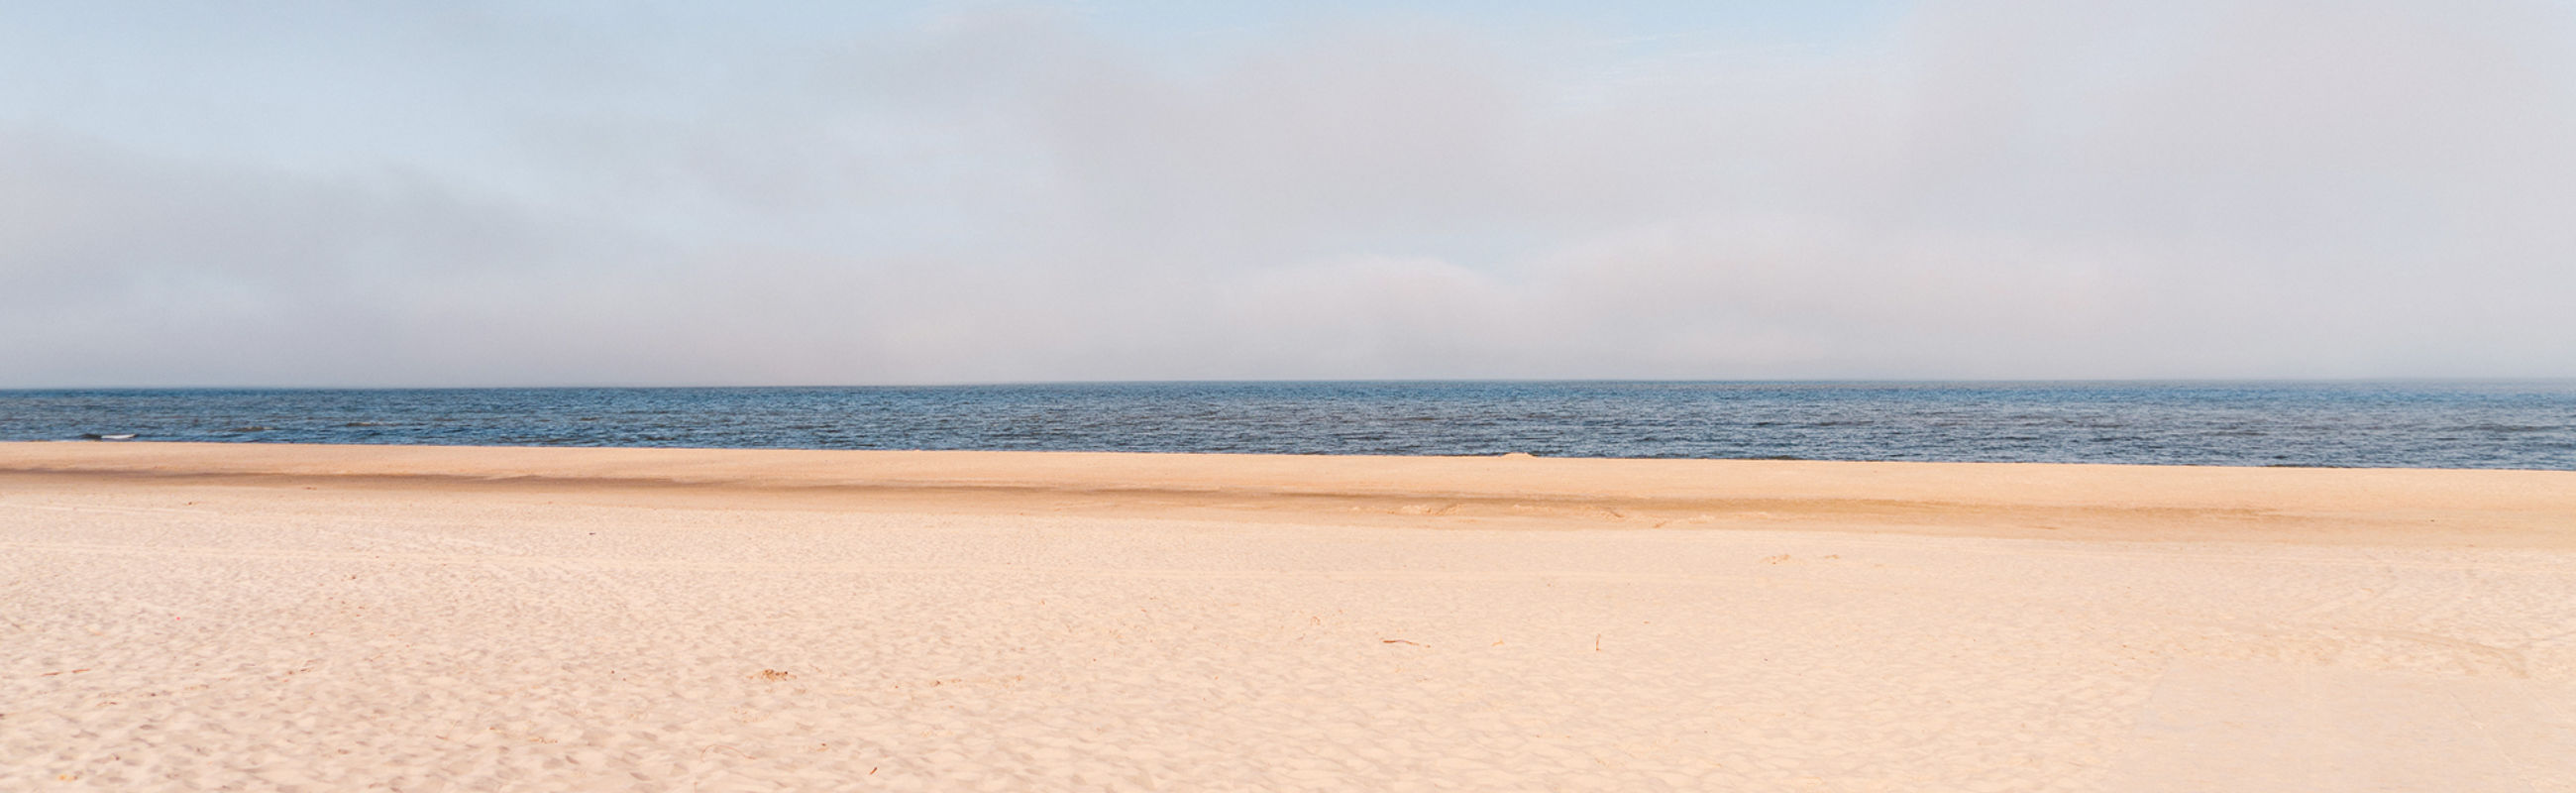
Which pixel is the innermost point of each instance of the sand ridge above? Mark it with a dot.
(2520, 508)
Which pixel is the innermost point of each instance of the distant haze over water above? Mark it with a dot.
(2396, 424)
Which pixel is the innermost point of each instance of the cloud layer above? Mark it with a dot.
(1975, 189)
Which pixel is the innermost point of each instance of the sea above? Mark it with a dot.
(2525, 425)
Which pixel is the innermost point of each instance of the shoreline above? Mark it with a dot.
(1256, 455)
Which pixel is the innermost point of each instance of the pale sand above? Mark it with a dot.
(184, 617)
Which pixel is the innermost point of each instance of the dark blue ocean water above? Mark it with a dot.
(2408, 424)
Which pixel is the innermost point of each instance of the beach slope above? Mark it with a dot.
(214, 616)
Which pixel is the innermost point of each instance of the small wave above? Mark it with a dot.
(113, 436)
(252, 428)
(2508, 428)
(364, 424)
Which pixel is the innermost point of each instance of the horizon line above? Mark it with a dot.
(2524, 380)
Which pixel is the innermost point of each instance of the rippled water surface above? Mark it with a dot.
(2446, 425)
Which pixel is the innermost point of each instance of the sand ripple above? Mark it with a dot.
(202, 636)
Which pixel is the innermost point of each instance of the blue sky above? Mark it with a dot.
(571, 193)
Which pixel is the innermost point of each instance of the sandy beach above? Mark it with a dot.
(276, 617)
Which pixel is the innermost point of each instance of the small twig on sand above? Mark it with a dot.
(1402, 641)
(1596, 642)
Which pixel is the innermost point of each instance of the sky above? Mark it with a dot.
(767, 193)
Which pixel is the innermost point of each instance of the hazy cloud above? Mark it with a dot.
(476, 195)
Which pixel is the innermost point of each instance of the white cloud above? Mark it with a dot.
(1991, 189)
